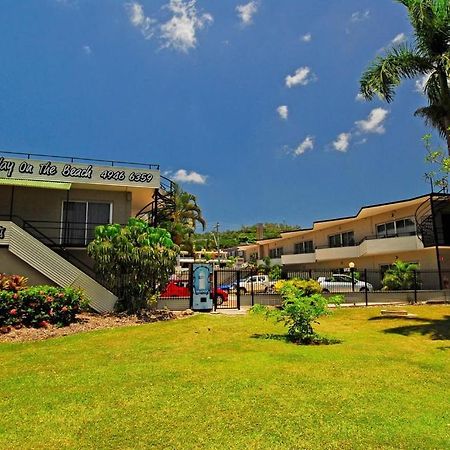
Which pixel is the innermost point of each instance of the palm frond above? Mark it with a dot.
(434, 117)
(386, 73)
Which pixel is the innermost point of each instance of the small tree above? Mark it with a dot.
(439, 162)
(266, 266)
(303, 304)
(400, 276)
(275, 272)
(133, 261)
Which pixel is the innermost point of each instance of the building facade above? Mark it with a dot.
(50, 206)
(413, 230)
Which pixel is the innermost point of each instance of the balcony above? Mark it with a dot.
(328, 254)
(377, 246)
(369, 246)
(300, 258)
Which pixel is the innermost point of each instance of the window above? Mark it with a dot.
(80, 219)
(401, 227)
(346, 239)
(275, 252)
(304, 247)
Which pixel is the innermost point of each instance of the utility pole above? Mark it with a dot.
(216, 239)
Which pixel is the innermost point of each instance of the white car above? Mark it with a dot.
(343, 283)
(257, 283)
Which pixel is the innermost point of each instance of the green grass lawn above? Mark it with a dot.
(216, 382)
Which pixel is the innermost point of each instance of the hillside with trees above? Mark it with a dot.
(245, 235)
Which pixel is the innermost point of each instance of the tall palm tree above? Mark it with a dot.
(181, 217)
(429, 57)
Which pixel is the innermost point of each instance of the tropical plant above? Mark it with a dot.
(309, 287)
(181, 216)
(440, 163)
(39, 306)
(275, 272)
(231, 261)
(265, 266)
(133, 261)
(428, 57)
(302, 306)
(12, 283)
(400, 276)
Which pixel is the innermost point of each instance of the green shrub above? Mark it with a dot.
(400, 276)
(40, 306)
(309, 287)
(303, 304)
(10, 310)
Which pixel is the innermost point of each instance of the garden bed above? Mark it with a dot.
(86, 322)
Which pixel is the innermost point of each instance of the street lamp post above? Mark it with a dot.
(351, 265)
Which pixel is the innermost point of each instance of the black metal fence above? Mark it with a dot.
(246, 287)
(375, 280)
(232, 289)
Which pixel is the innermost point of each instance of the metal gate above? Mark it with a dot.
(227, 296)
(241, 287)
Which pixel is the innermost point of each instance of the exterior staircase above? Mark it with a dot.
(54, 266)
(155, 211)
(430, 227)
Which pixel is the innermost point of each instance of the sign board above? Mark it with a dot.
(201, 289)
(27, 169)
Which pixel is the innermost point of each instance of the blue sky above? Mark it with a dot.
(252, 105)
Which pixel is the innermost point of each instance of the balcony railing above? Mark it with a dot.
(366, 238)
(67, 234)
(72, 159)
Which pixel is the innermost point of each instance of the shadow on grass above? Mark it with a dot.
(444, 348)
(320, 340)
(438, 330)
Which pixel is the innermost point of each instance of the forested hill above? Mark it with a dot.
(245, 235)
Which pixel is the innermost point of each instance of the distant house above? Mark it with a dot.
(50, 206)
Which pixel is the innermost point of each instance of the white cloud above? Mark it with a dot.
(87, 49)
(422, 82)
(360, 16)
(306, 37)
(359, 97)
(283, 111)
(374, 122)
(180, 32)
(342, 142)
(307, 144)
(302, 76)
(183, 176)
(399, 39)
(137, 17)
(246, 12)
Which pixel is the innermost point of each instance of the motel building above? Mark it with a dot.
(415, 230)
(50, 206)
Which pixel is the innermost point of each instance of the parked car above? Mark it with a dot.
(181, 288)
(257, 283)
(227, 286)
(343, 283)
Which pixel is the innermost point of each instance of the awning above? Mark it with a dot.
(35, 184)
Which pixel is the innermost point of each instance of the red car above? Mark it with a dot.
(180, 288)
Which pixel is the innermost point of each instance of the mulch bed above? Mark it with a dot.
(87, 322)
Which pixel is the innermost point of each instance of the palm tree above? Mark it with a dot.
(429, 57)
(181, 217)
(400, 276)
